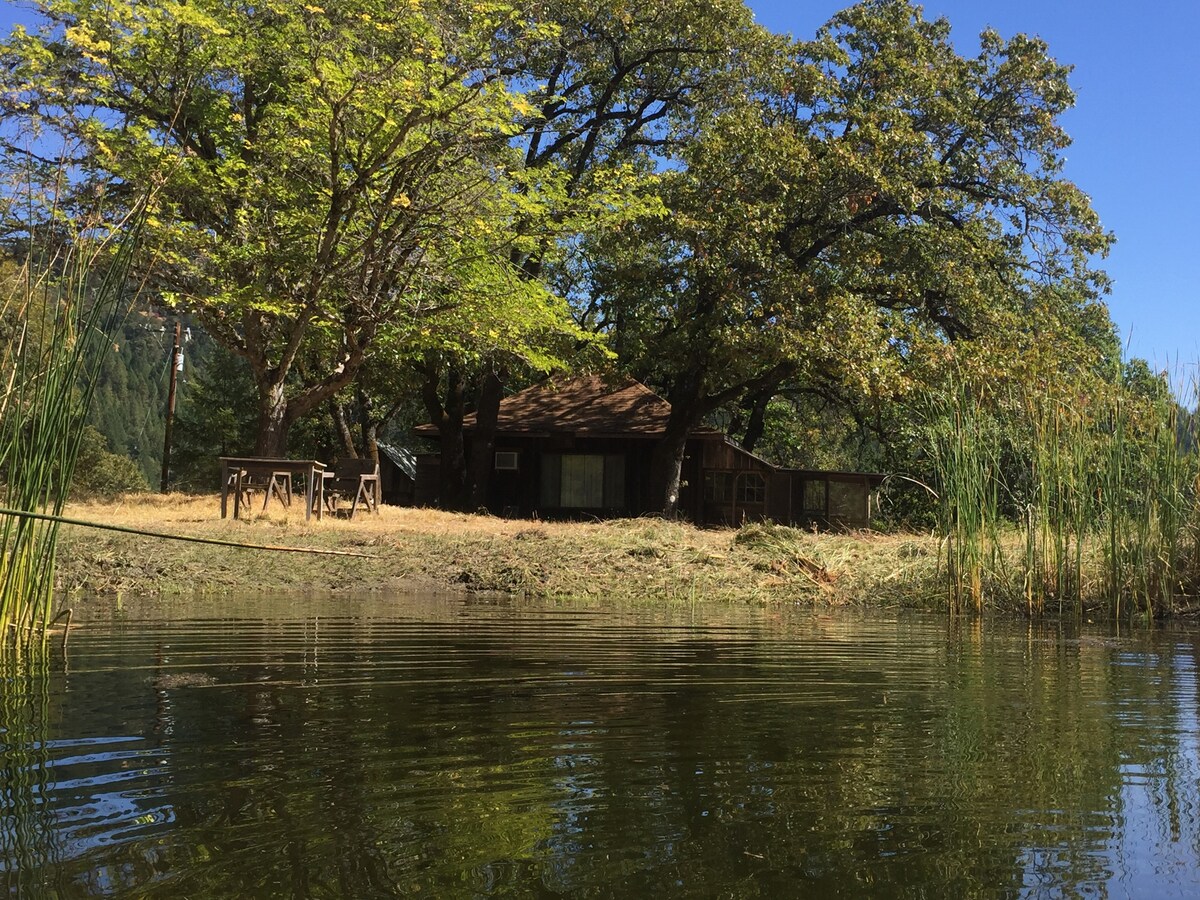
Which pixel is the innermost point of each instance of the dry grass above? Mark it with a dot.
(630, 559)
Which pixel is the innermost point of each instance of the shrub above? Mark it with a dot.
(99, 473)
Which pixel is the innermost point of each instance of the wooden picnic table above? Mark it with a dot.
(236, 469)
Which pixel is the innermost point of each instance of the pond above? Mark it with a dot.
(453, 747)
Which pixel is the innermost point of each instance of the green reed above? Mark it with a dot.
(1149, 524)
(1072, 503)
(1058, 512)
(59, 315)
(966, 455)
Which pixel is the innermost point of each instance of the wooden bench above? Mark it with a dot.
(276, 484)
(354, 481)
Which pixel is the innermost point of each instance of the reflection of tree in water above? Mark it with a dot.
(368, 759)
(969, 770)
(321, 764)
(28, 836)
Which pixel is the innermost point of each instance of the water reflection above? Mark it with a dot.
(459, 749)
(27, 828)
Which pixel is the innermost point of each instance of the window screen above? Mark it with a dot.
(847, 500)
(583, 481)
(814, 497)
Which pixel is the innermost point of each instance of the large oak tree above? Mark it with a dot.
(870, 198)
(603, 88)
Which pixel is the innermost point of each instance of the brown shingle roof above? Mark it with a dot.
(586, 405)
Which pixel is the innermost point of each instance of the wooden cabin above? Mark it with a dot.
(582, 448)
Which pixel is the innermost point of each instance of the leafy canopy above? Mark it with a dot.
(312, 167)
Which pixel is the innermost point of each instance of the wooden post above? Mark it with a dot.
(176, 365)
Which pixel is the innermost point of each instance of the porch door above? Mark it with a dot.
(582, 481)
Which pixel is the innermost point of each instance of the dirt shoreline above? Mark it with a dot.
(628, 560)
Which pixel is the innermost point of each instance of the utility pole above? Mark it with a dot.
(176, 367)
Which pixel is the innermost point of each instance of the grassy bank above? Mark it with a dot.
(629, 560)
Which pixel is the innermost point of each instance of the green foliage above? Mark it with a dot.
(860, 203)
(99, 473)
(214, 418)
(129, 406)
(319, 173)
(486, 309)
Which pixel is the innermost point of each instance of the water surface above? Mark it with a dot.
(450, 747)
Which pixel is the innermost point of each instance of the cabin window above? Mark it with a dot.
(847, 500)
(814, 497)
(583, 481)
(718, 487)
(722, 487)
(506, 460)
(751, 488)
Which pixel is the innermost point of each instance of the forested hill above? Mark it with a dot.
(130, 403)
(214, 400)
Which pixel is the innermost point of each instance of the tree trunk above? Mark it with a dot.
(277, 411)
(371, 442)
(666, 462)
(666, 466)
(483, 441)
(273, 421)
(758, 415)
(366, 425)
(338, 411)
(453, 465)
(447, 414)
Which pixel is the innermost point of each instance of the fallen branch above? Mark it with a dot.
(46, 517)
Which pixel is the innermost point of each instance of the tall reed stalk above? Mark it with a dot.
(1057, 503)
(966, 455)
(1099, 495)
(1146, 497)
(61, 312)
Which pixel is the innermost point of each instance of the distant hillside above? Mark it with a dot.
(129, 407)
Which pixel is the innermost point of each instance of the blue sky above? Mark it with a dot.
(1136, 128)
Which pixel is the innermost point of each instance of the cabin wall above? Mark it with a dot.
(427, 486)
(735, 486)
(739, 488)
(571, 477)
(395, 487)
(576, 477)
(779, 498)
(828, 499)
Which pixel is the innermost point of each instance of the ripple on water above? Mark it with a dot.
(367, 748)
